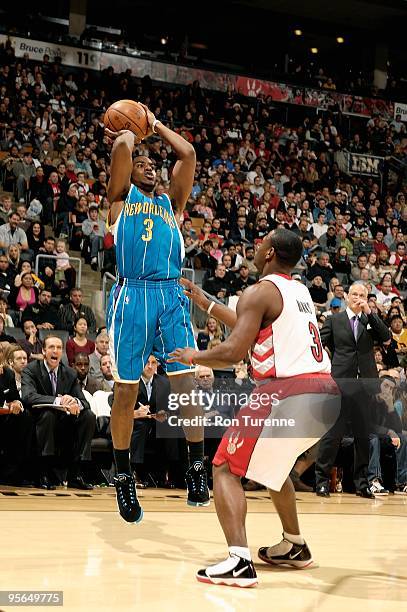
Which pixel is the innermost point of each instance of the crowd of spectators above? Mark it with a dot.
(253, 174)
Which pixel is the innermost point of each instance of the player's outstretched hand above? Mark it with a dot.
(195, 294)
(185, 355)
(111, 136)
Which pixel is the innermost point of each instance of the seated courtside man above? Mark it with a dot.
(15, 431)
(50, 390)
(152, 403)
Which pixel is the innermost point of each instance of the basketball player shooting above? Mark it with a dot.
(148, 311)
(275, 319)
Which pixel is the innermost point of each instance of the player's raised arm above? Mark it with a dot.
(182, 176)
(251, 309)
(219, 311)
(121, 165)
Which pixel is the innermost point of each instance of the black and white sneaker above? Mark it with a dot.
(287, 553)
(127, 501)
(377, 488)
(197, 485)
(235, 571)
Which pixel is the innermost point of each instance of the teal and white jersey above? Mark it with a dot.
(149, 244)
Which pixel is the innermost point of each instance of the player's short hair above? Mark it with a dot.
(287, 246)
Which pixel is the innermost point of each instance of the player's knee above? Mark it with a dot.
(182, 383)
(125, 396)
(221, 470)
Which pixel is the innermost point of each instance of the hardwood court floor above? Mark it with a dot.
(76, 542)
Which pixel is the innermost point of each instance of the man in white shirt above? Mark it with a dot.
(10, 233)
(102, 347)
(17, 360)
(320, 227)
(106, 369)
(385, 295)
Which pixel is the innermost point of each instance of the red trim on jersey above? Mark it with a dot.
(263, 335)
(259, 357)
(287, 276)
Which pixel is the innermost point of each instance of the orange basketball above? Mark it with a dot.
(127, 115)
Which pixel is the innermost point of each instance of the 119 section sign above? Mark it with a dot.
(70, 56)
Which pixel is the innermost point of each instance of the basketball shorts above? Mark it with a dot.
(284, 418)
(144, 318)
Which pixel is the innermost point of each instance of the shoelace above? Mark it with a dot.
(201, 484)
(130, 490)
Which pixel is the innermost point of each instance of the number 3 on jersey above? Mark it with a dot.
(149, 230)
(316, 348)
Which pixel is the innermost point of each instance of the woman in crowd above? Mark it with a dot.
(8, 321)
(13, 257)
(24, 267)
(202, 208)
(3, 336)
(104, 209)
(79, 343)
(212, 331)
(393, 311)
(378, 355)
(35, 237)
(79, 214)
(342, 262)
(372, 266)
(24, 295)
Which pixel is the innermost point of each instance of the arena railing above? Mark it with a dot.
(105, 289)
(78, 260)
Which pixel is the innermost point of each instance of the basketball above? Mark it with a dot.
(127, 115)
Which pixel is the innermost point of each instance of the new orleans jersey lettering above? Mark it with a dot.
(149, 245)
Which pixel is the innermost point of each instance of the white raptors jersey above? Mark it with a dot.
(290, 346)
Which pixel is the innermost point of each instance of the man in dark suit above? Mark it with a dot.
(349, 336)
(87, 382)
(152, 404)
(51, 392)
(15, 432)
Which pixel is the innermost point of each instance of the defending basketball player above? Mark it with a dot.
(275, 319)
(148, 312)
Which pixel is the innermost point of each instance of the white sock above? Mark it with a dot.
(240, 551)
(223, 567)
(282, 548)
(295, 539)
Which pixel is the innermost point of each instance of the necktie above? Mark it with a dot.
(53, 378)
(354, 323)
(148, 389)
